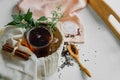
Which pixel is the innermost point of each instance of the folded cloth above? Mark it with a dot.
(68, 7)
(15, 68)
(12, 67)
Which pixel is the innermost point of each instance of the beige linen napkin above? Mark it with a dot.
(15, 68)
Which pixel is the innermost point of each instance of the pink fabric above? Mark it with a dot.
(68, 7)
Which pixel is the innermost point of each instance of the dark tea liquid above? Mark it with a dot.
(39, 37)
(43, 51)
(39, 40)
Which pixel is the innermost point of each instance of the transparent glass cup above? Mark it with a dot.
(39, 40)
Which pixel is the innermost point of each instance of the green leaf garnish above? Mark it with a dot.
(26, 21)
(12, 23)
(43, 18)
(28, 16)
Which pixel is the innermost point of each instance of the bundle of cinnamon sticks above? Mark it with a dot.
(17, 52)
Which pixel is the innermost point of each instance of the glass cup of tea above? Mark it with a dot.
(39, 40)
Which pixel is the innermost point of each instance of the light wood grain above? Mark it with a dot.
(104, 11)
(74, 53)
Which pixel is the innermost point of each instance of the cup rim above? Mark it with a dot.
(28, 33)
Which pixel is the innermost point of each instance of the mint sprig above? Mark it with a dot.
(26, 21)
(23, 20)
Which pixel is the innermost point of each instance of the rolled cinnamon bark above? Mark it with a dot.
(18, 52)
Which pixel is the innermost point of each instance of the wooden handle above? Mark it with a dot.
(104, 11)
(83, 68)
(74, 54)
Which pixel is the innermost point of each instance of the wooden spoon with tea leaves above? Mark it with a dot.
(74, 53)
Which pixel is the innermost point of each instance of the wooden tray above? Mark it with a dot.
(106, 12)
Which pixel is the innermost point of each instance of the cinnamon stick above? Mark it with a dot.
(18, 52)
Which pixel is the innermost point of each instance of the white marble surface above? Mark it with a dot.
(101, 47)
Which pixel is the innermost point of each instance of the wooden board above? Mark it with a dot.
(104, 11)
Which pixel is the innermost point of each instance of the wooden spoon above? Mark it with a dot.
(74, 53)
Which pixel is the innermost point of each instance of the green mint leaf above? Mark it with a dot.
(21, 15)
(32, 22)
(12, 23)
(21, 25)
(16, 18)
(28, 16)
(43, 18)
